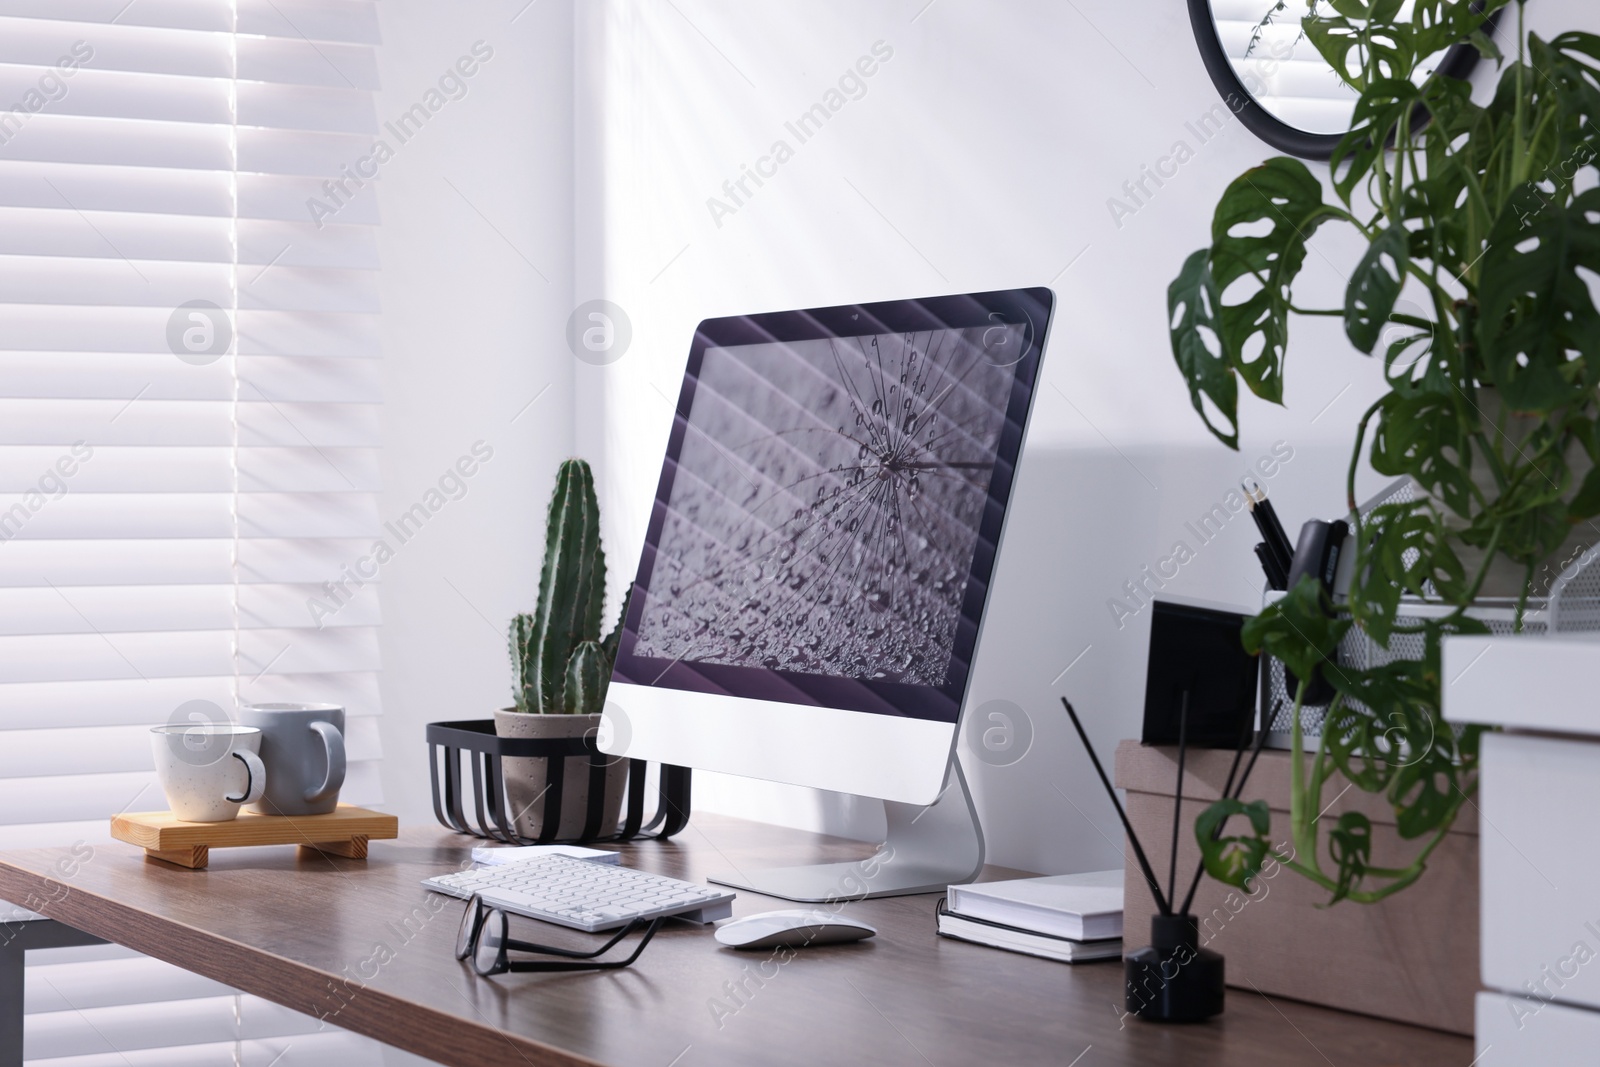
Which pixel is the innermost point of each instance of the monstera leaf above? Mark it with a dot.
(1233, 860)
(1350, 847)
(1426, 435)
(1258, 243)
(1405, 548)
(1375, 286)
(1299, 629)
(1540, 331)
(1378, 114)
(1192, 310)
(1228, 309)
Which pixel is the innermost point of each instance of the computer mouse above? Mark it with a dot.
(791, 928)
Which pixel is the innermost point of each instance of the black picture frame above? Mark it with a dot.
(1030, 308)
(1458, 62)
(1198, 650)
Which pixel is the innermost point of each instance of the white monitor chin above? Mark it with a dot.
(886, 756)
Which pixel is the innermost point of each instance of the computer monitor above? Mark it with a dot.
(818, 558)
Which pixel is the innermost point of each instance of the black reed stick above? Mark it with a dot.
(1238, 754)
(1177, 800)
(1133, 838)
(1238, 791)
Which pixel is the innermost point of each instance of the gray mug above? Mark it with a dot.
(302, 746)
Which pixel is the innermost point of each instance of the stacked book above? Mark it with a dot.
(1066, 917)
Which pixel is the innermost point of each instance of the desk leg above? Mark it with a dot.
(15, 941)
(13, 963)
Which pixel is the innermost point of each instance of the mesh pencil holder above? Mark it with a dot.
(1571, 605)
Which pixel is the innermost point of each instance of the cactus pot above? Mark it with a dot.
(525, 776)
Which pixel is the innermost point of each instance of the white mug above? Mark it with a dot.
(208, 770)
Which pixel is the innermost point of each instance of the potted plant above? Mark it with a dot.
(561, 665)
(1481, 227)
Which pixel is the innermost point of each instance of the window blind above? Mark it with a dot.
(189, 402)
(1270, 53)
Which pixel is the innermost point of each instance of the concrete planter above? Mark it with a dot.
(525, 776)
(1412, 958)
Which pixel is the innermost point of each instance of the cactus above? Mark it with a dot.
(585, 685)
(560, 663)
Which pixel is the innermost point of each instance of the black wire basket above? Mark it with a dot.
(484, 750)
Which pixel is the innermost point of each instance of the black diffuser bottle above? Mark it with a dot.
(1173, 979)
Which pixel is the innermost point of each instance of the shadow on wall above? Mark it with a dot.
(1085, 525)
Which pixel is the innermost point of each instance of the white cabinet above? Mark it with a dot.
(1555, 1037)
(1540, 856)
(1539, 794)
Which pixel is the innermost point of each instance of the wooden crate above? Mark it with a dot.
(343, 832)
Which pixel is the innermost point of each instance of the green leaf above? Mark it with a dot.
(1375, 286)
(1485, 46)
(1425, 796)
(1334, 39)
(1539, 334)
(1191, 315)
(1258, 235)
(1233, 860)
(1438, 24)
(1388, 717)
(1347, 732)
(1350, 847)
(1351, 9)
(1376, 118)
(1586, 504)
(1410, 363)
(1427, 436)
(1405, 549)
(1298, 629)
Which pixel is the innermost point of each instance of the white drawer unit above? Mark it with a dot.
(1539, 793)
(1553, 1036)
(1540, 869)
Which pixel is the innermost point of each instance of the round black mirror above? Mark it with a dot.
(1274, 79)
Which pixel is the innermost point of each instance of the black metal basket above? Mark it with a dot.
(484, 750)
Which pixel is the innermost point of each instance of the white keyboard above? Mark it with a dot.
(585, 895)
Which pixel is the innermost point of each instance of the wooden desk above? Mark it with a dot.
(358, 943)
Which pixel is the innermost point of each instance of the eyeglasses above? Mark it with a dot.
(483, 938)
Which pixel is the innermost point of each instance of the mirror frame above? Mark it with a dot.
(1458, 62)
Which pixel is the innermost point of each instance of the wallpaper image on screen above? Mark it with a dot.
(827, 503)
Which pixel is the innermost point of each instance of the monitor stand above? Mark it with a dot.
(925, 850)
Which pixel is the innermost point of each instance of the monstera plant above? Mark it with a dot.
(1476, 288)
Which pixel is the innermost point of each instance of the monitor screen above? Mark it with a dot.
(826, 520)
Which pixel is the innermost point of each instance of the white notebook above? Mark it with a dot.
(1082, 907)
(994, 935)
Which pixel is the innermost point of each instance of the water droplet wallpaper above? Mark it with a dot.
(827, 503)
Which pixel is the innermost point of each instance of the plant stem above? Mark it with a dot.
(1355, 463)
(1522, 599)
(1483, 571)
(1297, 776)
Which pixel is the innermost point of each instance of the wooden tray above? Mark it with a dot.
(163, 836)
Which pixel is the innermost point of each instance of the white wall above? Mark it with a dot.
(981, 156)
(475, 209)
